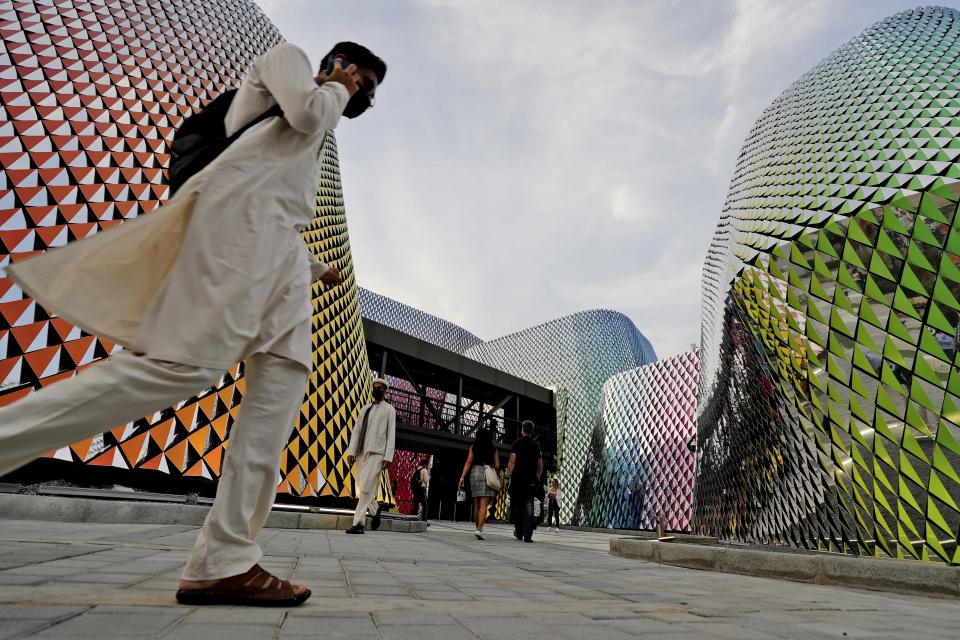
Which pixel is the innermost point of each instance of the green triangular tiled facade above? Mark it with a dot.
(830, 397)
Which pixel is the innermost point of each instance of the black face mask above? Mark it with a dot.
(359, 102)
(378, 394)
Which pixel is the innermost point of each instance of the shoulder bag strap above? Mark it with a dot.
(275, 110)
(362, 437)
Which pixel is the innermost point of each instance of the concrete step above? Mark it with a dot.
(876, 574)
(646, 534)
(119, 511)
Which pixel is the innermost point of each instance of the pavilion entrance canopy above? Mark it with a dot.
(442, 397)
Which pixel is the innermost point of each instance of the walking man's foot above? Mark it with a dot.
(254, 588)
(528, 539)
(355, 529)
(516, 534)
(375, 521)
(479, 534)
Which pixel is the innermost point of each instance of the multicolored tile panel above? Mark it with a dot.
(90, 94)
(830, 400)
(640, 470)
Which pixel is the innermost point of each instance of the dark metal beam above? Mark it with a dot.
(485, 415)
(459, 414)
(456, 414)
(421, 391)
(500, 405)
(400, 343)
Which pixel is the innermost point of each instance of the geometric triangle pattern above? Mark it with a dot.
(639, 467)
(573, 355)
(90, 94)
(416, 323)
(187, 440)
(830, 385)
(315, 463)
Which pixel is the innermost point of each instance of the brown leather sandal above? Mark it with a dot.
(255, 588)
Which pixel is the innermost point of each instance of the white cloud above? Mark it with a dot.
(523, 163)
(623, 204)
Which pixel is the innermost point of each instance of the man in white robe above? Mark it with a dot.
(371, 451)
(218, 275)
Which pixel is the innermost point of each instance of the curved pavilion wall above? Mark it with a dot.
(830, 401)
(90, 94)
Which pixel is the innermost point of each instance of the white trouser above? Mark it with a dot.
(128, 387)
(369, 466)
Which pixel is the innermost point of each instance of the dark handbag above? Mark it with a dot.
(203, 136)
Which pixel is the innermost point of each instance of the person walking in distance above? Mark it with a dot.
(230, 281)
(371, 451)
(553, 506)
(524, 470)
(419, 485)
(482, 454)
(539, 504)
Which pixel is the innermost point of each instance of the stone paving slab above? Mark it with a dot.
(70, 580)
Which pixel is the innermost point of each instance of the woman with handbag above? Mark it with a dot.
(483, 463)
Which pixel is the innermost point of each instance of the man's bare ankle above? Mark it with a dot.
(195, 584)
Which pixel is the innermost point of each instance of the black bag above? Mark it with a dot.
(202, 137)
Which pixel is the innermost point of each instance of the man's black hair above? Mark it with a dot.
(359, 55)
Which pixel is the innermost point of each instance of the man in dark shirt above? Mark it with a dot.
(524, 470)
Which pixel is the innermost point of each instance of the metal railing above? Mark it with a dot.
(435, 414)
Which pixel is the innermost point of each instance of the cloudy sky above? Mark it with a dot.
(527, 159)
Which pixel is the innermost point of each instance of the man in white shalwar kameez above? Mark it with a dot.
(371, 451)
(218, 275)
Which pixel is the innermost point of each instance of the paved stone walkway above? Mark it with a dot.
(117, 581)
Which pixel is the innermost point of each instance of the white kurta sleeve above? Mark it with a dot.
(286, 73)
(355, 434)
(391, 434)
